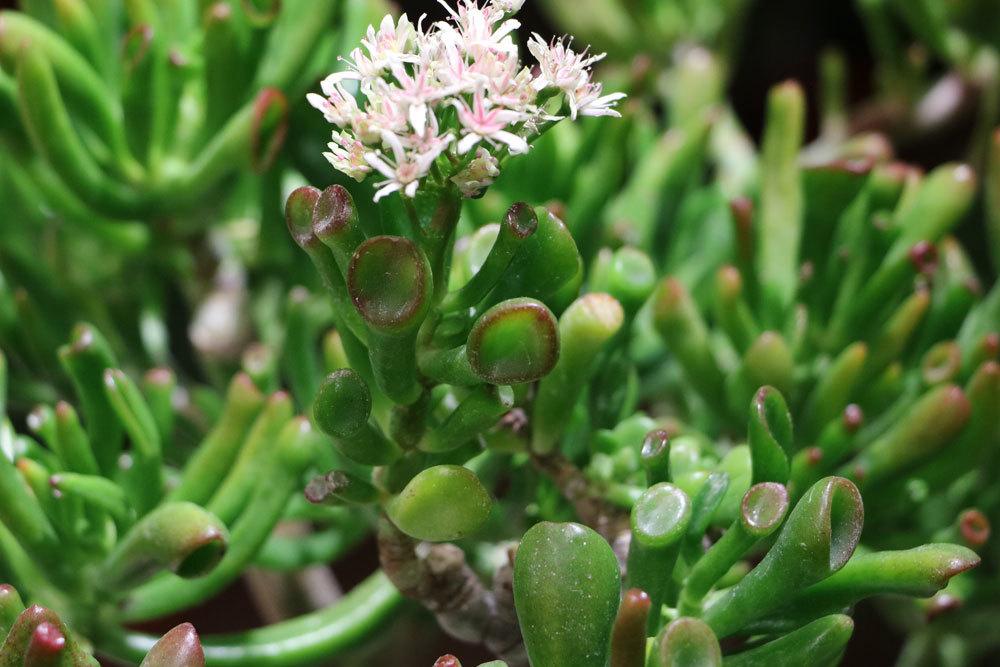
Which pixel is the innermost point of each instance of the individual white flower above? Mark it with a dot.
(338, 106)
(383, 115)
(474, 28)
(392, 43)
(478, 175)
(414, 92)
(479, 123)
(347, 155)
(588, 101)
(404, 172)
(559, 65)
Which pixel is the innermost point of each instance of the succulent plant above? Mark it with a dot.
(608, 384)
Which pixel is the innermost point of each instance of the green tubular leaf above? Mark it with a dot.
(299, 211)
(761, 513)
(82, 84)
(309, 638)
(158, 386)
(655, 456)
(179, 537)
(11, 607)
(84, 360)
(918, 572)
(268, 127)
(566, 590)
(218, 450)
(627, 274)
(389, 281)
(295, 449)
(441, 503)
(833, 390)
(678, 321)
(818, 538)
(298, 354)
(659, 522)
(518, 225)
(99, 491)
(584, 329)
(770, 436)
(647, 206)
(255, 458)
(77, 23)
(146, 472)
(938, 204)
(513, 342)
(977, 329)
(544, 263)
(237, 144)
(628, 637)
(781, 210)
(893, 338)
(36, 477)
(707, 502)
(292, 42)
(822, 643)
(686, 642)
(927, 426)
(835, 443)
(335, 223)
(477, 413)
(954, 292)
(23, 516)
(226, 74)
(180, 647)
(731, 309)
(342, 410)
(48, 121)
(768, 361)
(144, 82)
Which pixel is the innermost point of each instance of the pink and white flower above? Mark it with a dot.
(404, 171)
(411, 93)
(480, 123)
(347, 155)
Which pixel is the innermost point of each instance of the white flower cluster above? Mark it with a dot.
(411, 95)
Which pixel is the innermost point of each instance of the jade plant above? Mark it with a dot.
(607, 384)
(147, 139)
(108, 519)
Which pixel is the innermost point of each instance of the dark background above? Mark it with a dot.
(783, 39)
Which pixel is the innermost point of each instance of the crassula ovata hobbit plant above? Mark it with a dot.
(609, 386)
